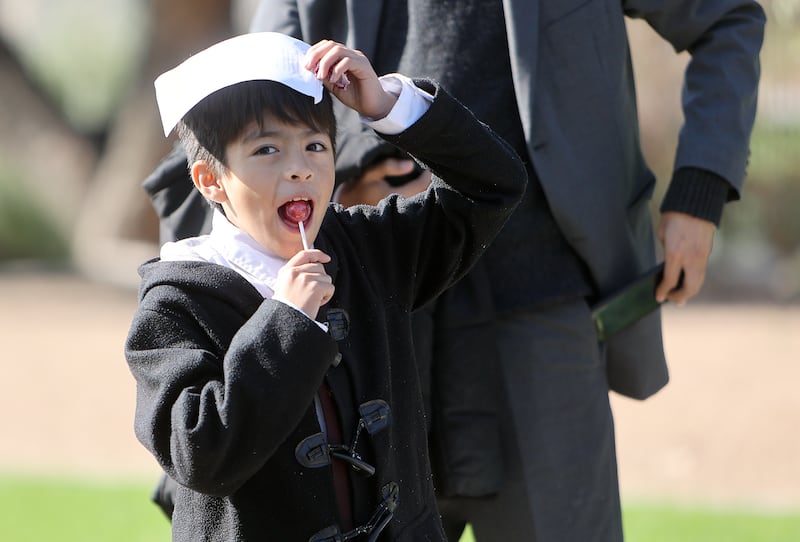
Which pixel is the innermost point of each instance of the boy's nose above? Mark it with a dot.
(298, 169)
(301, 176)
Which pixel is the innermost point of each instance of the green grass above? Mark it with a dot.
(666, 522)
(65, 510)
(38, 509)
(658, 522)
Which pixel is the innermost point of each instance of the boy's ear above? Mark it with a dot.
(207, 182)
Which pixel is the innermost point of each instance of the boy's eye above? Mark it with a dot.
(316, 147)
(266, 149)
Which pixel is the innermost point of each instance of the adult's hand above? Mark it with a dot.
(372, 186)
(687, 243)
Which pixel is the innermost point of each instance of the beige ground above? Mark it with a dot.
(726, 430)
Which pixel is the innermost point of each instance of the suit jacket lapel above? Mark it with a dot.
(522, 28)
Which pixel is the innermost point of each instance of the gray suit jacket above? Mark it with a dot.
(575, 91)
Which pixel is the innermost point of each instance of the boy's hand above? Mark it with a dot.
(349, 76)
(303, 281)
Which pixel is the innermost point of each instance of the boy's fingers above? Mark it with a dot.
(336, 67)
(339, 66)
(331, 61)
(324, 56)
(311, 255)
(315, 52)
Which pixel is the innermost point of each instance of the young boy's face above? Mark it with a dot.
(278, 174)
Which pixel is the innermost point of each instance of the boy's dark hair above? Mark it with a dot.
(222, 116)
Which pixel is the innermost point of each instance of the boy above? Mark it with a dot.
(275, 374)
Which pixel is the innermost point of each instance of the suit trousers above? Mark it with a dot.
(558, 436)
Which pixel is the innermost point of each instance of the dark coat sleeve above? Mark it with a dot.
(720, 90)
(438, 235)
(218, 389)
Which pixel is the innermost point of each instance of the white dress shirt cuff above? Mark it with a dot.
(412, 103)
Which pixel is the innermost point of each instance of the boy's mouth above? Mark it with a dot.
(295, 211)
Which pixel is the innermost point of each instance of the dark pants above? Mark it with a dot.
(558, 437)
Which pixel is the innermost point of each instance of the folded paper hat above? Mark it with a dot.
(250, 57)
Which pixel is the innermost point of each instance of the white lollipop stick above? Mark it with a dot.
(303, 235)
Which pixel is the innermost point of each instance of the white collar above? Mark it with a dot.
(229, 246)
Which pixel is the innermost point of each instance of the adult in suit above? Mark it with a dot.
(554, 78)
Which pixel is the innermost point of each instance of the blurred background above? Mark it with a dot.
(79, 132)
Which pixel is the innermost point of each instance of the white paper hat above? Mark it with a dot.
(258, 56)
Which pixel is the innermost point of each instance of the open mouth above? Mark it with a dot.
(295, 211)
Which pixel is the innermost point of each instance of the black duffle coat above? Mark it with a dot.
(226, 379)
